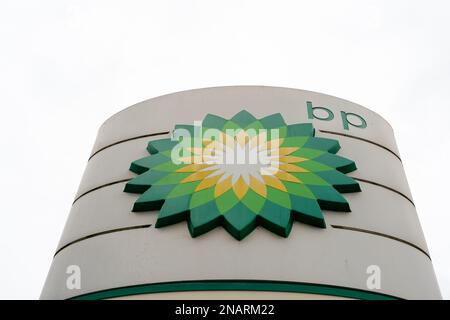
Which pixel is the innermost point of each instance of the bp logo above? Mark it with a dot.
(241, 173)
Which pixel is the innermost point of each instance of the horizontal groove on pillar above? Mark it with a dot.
(362, 139)
(320, 130)
(386, 187)
(129, 139)
(99, 234)
(333, 226)
(99, 187)
(381, 235)
(358, 179)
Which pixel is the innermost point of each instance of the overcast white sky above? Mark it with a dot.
(65, 66)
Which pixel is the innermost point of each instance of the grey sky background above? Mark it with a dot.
(66, 66)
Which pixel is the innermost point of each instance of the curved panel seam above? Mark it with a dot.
(362, 139)
(375, 233)
(100, 234)
(129, 139)
(386, 187)
(320, 130)
(99, 187)
(358, 179)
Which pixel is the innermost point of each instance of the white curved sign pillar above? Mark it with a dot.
(375, 251)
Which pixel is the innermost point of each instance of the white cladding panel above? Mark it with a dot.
(312, 255)
(162, 113)
(374, 209)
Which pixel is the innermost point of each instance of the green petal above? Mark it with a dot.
(257, 125)
(329, 199)
(299, 189)
(183, 189)
(239, 221)
(340, 181)
(172, 178)
(141, 183)
(243, 118)
(307, 211)
(143, 164)
(161, 145)
(314, 166)
(310, 178)
(300, 129)
(152, 199)
(308, 153)
(273, 121)
(253, 201)
(294, 141)
(168, 166)
(231, 125)
(226, 201)
(323, 144)
(204, 218)
(279, 133)
(213, 121)
(339, 163)
(201, 197)
(281, 198)
(276, 219)
(173, 211)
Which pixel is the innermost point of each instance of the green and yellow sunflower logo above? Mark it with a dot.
(241, 173)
